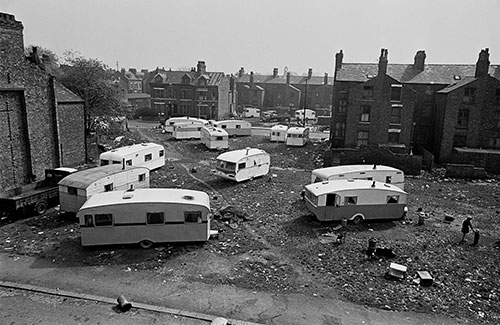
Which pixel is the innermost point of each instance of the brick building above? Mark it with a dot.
(129, 88)
(196, 93)
(41, 122)
(435, 112)
(284, 91)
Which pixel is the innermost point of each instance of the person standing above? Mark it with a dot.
(466, 227)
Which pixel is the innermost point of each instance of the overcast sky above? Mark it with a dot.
(260, 35)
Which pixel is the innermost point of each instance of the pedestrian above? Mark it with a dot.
(466, 227)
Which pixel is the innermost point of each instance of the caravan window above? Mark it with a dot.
(192, 216)
(388, 179)
(242, 165)
(238, 126)
(72, 190)
(162, 152)
(142, 177)
(393, 199)
(223, 126)
(88, 220)
(116, 162)
(218, 138)
(128, 162)
(155, 218)
(148, 157)
(104, 162)
(330, 200)
(351, 200)
(103, 219)
(108, 187)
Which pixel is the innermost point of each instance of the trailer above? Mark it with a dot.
(234, 127)
(184, 131)
(34, 198)
(297, 136)
(355, 200)
(78, 187)
(309, 114)
(150, 155)
(169, 124)
(379, 173)
(251, 112)
(214, 138)
(278, 133)
(243, 164)
(145, 217)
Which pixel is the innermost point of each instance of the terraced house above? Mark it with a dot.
(447, 109)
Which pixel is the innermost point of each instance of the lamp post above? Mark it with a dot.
(305, 103)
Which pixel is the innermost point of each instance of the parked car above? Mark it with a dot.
(269, 116)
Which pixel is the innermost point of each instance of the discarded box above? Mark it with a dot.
(397, 270)
(425, 278)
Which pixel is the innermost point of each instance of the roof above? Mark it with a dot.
(456, 85)
(175, 77)
(237, 155)
(432, 74)
(149, 195)
(124, 151)
(64, 95)
(296, 130)
(215, 131)
(345, 169)
(84, 178)
(216, 123)
(137, 95)
(295, 80)
(474, 150)
(279, 127)
(350, 184)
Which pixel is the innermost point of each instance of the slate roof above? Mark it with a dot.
(295, 80)
(175, 77)
(405, 73)
(456, 85)
(64, 95)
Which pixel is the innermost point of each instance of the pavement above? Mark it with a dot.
(150, 292)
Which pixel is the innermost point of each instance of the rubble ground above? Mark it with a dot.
(269, 241)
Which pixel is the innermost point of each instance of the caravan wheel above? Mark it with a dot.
(357, 219)
(146, 244)
(41, 207)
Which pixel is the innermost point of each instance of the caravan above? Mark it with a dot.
(251, 112)
(379, 173)
(150, 155)
(234, 127)
(214, 138)
(75, 190)
(355, 200)
(309, 113)
(243, 164)
(297, 136)
(145, 216)
(278, 133)
(169, 124)
(187, 131)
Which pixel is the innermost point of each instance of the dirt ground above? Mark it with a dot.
(272, 243)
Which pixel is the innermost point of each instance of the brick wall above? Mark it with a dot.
(72, 130)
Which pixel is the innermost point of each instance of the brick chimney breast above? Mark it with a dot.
(251, 79)
(275, 72)
(382, 62)
(309, 73)
(483, 63)
(288, 78)
(201, 68)
(419, 61)
(338, 60)
(241, 72)
(325, 80)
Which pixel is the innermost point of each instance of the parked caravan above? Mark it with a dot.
(75, 190)
(214, 138)
(169, 124)
(243, 164)
(379, 173)
(309, 113)
(251, 112)
(234, 127)
(355, 200)
(278, 133)
(150, 155)
(187, 131)
(145, 216)
(297, 136)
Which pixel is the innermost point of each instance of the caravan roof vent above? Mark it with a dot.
(128, 195)
(188, 197)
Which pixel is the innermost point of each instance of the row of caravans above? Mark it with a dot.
(190, 127)
(356, 193)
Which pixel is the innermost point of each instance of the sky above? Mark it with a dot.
(260, 35)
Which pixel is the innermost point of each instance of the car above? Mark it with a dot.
(269, 116)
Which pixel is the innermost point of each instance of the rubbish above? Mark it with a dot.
(476, 238)
(425, 278)
(421, 219)
(448, 218)
(396, 271)
(123, 304)
(384, 252)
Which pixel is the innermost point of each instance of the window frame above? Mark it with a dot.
(109, 222)
(190, 215)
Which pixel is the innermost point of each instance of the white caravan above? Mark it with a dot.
(145, 216)
(187, 131)
(310, 115)
(278, 133)
(251, 112)
(297, 136)
(355, 200)
(214, 138)
(234, 127)
(75, 190)
(243, 164)
(379, 173)
(169, 124)
(150, 155)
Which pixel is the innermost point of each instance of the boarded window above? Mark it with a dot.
(155, 218)
(192, 216)
(103, 220)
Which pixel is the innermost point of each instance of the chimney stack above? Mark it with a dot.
(338, 60)
(275, 72)
(382, 62)
(133, 70)
(251, 79)
(309, 73)
(201, 68)
(419, 61)
(325, 80)
(241, 72)
(483, 63)
(288, 78)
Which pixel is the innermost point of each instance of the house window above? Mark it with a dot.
(142, 177)
(108, 187)
(365, 113)
(396, 114)
(103, 219)
(72, 190)
(155, 218)
(342, 106)
(396, 91)
(148, 157)
(367, 92)
(339, 129)
(202, 95)
(393, 199)
(459, 140)
(192, 216)
(158, 92)
(469, 95)
(463, 118)
(393, 138)
(350, 200)
(362, 138)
